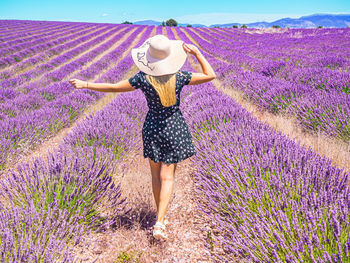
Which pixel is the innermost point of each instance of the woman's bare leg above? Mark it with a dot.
(167, 172)
(155, 171)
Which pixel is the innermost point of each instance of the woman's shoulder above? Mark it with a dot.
(184, 72)
(185, 76)
(137, 80)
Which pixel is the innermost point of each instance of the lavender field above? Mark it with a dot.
(302, 72)
(269, 198)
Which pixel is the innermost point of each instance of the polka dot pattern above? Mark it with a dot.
(165, 133)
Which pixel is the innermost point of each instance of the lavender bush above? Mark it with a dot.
(75, 188)
(269, 198)
(32, 234)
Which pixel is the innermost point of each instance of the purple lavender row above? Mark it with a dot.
(219, 38)
(55, 203)
(300, 36)
(12, 59)
(30, 32)
(223, 51)
(18, 49)
(44, 55)
(283, 93)
(13, 43)
(37, 87)
(64, 53)
(159, 30)
(84, 161)
(267, 65)
(66, 42)
(36, 98)
(24, 29)
(33, 127)
(279, 86)
(13, 24)
(108, 60)
(184, 38)
(170, 33)
(219, 33)
(20, 225)
(8, 25)
(317, 71)
(254, 46)
(269, 198)
(17, 25)
(219, 66)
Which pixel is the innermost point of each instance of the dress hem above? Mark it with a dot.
(179, 160)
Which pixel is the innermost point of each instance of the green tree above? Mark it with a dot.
(244, 26)
(275, 26)
(126, 22)
(319, 26)
(235, 26)
(163, 23)
(216, 26)
(189, 25)
(171, 22)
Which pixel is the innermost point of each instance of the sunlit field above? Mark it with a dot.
(269, 198)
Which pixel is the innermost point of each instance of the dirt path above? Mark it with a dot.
(336, 150)
(54, 142)
(134, 237)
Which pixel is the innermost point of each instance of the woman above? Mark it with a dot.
(166, 137)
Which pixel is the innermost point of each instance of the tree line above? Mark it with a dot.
(169, 22)
(173, 22)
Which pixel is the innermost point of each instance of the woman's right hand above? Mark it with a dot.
(192, 49)
(77, 83)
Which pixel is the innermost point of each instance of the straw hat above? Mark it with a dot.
(159, 56)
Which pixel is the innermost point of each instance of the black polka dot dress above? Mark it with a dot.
(165, 133)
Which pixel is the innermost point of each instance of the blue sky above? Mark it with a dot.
(203, 12)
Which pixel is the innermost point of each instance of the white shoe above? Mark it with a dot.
(159, 231)
(166, 220)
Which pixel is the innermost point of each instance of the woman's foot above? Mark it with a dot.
(159, 231)
(166, 220)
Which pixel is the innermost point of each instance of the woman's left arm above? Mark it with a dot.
(120, 86)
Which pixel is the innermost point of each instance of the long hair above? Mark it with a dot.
(165, 87)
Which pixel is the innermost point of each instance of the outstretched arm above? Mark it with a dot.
(121, 86)
(208, 72)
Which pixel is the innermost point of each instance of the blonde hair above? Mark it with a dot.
(165, 87)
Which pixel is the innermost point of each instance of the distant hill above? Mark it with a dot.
(157, 23)
(147, 22)
(310, 21)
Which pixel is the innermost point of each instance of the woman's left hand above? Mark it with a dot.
(78, 84)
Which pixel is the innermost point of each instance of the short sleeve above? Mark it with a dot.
(187, 75)
(136, 80)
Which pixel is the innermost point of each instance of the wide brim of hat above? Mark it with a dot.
(158, 67)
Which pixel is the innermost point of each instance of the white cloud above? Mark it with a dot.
(104, 14)
(222, 18)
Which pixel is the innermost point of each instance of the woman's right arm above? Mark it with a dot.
(208, 72)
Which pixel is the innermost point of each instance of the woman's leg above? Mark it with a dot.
(167, 172)
(155, 171)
